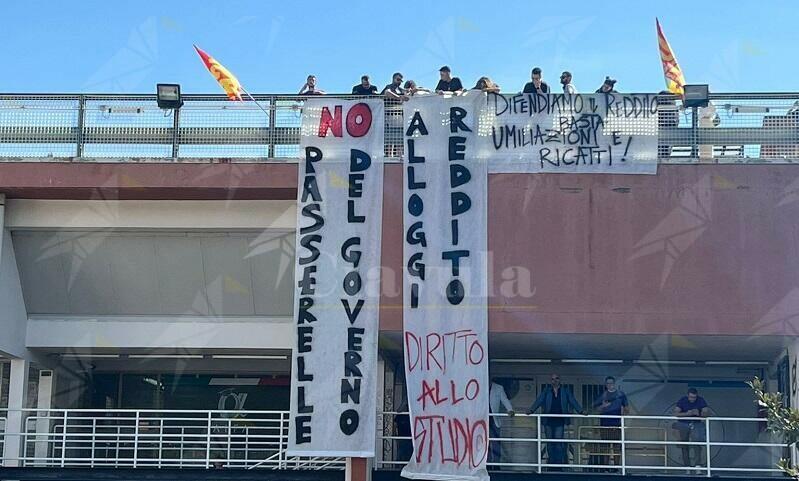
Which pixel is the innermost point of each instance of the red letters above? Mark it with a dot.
(450, 440)
(432, 392)
(435, 351)
(359, 120)
(330, 122)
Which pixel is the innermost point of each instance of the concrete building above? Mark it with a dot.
(146, 283)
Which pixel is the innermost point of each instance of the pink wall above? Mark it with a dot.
(697, 249)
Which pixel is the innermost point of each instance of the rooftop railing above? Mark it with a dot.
(258, 440)
(737, 128)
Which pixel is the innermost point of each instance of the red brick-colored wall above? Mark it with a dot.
(696, 249)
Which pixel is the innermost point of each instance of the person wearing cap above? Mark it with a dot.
(566, 81)
(608, 86)
(364, 88)
(448, 83)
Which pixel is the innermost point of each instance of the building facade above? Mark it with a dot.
(146, 275)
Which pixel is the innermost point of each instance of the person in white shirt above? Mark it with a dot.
(497, 399)
(566, 81)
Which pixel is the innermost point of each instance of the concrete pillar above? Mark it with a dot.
(17, 400)
(44, 402)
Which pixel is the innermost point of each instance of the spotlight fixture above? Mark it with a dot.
(696, 95)
(169, 96)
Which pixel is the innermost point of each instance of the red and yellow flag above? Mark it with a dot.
(229, 83)
(675, 81)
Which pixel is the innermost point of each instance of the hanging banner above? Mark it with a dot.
(445, 305)
(569, 133)
(339, 222)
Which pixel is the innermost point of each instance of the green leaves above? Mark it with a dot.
(781, 420)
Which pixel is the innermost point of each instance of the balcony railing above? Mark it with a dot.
(641, 445)
(2, 437)
(160, 439)
(258, 439)
(739, 128)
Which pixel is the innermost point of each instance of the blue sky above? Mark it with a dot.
(128, 46)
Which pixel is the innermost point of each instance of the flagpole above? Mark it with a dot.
(253, 99)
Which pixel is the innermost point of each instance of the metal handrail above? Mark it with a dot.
(161, 438)
(258, 439)
(239, 130)
(2, 437)
(223, 97)
(624, 443)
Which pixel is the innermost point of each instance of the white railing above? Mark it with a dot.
(2, 438)
(258, 440)
(641, 444)
(160, 439)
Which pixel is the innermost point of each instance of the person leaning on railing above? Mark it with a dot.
(486, 85)
(693, 406)
(497, 399)
(365, 87)
(412, 89)
(448, 83)
(394, 90)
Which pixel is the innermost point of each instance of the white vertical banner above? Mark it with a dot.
(445, 311)
(337, 274)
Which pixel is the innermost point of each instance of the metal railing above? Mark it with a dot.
(738, 128)
(160, 439)
(639, 444)
(258, 440)
(2, 437)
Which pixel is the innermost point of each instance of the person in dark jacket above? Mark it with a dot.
(536, 84)
(556, 400)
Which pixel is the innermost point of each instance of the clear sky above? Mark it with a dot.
(129, 46)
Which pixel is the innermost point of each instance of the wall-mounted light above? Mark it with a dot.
(696, 95)
(169, 96)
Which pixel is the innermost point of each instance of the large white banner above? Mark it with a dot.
(339, 222)
(444, 306)
(569, 133)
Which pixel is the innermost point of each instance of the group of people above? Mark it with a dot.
(555, 402)
(400, 89)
